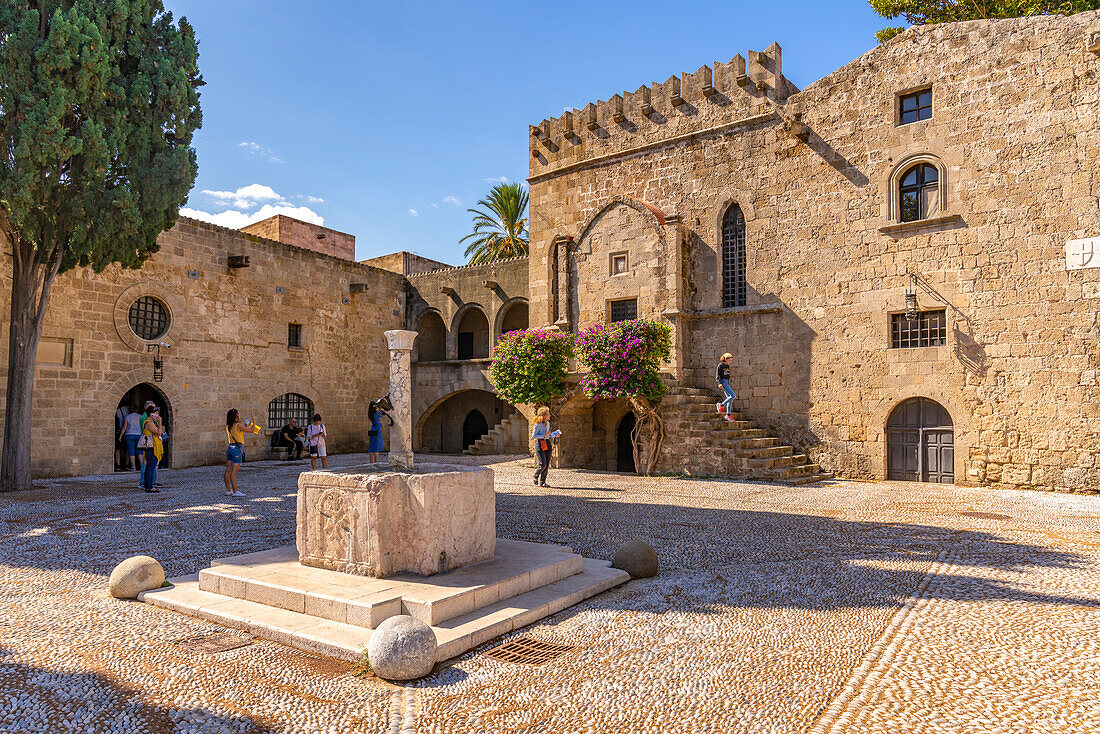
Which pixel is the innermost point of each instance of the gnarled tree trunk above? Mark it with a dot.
(651, 423)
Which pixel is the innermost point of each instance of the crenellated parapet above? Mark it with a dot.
(740, 89)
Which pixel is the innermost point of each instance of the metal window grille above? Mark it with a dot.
(916, 106)
(734, 287)
(928, 329)
(624, 310)
(294, 335)
(148, 318)
(292, 405)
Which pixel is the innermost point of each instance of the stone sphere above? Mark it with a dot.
(135, 575)
(637, 558)
(402, 648)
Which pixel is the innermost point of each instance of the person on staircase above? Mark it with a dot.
(722, 375)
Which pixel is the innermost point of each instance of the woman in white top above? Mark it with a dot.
(315, 439)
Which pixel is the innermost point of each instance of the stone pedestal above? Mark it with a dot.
(400, 344)
(379, 522)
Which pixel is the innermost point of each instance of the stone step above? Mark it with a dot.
(347, 641)
(807, 479)
(276, 579)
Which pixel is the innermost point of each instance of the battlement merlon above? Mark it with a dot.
(760, 75)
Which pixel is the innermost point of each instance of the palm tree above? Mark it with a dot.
(500, 225)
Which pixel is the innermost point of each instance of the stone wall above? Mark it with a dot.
(229, 346)
(405, 263)
(493, 290)
(311, 236)
(815, 173)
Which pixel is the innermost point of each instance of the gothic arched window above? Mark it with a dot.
(734, 286)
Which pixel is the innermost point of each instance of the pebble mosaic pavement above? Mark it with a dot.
(841, 607)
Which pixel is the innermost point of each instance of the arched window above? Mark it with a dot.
(285, 407)
(515, 319)
(431, 342)
(919, 193)
(473, 335)
(734, 287)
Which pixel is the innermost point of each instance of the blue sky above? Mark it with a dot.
(388, 119)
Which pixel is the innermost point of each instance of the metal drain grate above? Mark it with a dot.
(987, 515)
(217, 642)
(528, 651)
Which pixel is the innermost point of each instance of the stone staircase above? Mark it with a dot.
(510, 436)
(698, 441)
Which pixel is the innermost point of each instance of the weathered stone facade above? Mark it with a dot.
(639, 207)
(1013, 136)
(459, 313)
(228, 330)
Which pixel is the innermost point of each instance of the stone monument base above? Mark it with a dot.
(271, 595)
(375, 521)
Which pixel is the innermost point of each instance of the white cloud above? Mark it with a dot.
(245, 197)
(498, 179)
(449, 199)
(413, 213)
(315, 200)
(257, 149)
(237, 219)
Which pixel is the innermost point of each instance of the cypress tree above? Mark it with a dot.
(98, 104)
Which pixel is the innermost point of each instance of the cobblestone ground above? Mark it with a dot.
(845, 607)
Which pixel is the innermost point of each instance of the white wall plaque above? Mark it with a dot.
(1082, 254)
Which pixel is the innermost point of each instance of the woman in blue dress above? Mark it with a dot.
(374, 435)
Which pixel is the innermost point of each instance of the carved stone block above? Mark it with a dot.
(379, 523)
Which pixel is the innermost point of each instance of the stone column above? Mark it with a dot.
(400, 343)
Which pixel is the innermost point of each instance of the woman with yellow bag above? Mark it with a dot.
(151, 431)
(234, 454)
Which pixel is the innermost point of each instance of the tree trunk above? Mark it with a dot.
(651, 423)
(28, 306)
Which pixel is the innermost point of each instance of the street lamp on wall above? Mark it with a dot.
(911, 299)
(158, 362)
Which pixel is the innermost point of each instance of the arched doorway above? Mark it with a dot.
(135, 399)
(625, 459)
(474, 427)
(920, 442)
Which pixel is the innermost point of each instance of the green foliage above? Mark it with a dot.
(921, 12)
(531, 366)
(624, 358)
(500, 228)
(100, 100)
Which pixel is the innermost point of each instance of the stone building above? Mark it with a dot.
(902, 257)
(883, 252)
(266, 327)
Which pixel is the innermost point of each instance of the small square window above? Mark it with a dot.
(619, 263)
(294, 336)
(915, 106)
(625, 310)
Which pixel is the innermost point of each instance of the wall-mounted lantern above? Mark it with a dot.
(158, 362)
(911, 298)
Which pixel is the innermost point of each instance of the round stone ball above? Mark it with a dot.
(135, 575)
(637, 558)
(402, 648)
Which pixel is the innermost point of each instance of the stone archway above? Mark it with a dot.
(135, 399)
(920, 442)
